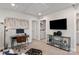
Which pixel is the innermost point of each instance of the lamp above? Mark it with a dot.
(5, 45)
(4, 36)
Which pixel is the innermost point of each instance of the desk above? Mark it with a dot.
(13, 39)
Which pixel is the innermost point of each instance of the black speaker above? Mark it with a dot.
(59, 33)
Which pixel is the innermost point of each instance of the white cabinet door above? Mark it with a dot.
(1, 36)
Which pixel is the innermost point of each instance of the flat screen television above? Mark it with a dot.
(19, 31)
(60, 24)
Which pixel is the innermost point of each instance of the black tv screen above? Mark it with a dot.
(19, 30)
(58, 24)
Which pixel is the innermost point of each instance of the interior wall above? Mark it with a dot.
(67, 13)
(1, 36)
(14, 14)
(71, 24)
(77, 24)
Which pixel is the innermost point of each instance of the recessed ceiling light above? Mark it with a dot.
(39, 14)
(12, 4)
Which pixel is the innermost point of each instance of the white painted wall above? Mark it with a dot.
(77, 24)
(67, 13)
(8, 13)
(1, 36)
(70, 14)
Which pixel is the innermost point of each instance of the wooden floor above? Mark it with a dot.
(78, 48)
(50, 50)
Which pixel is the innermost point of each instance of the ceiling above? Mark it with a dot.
(35, 8)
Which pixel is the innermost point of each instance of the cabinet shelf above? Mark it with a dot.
(62, 42)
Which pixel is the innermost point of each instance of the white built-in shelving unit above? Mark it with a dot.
(42, 29)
